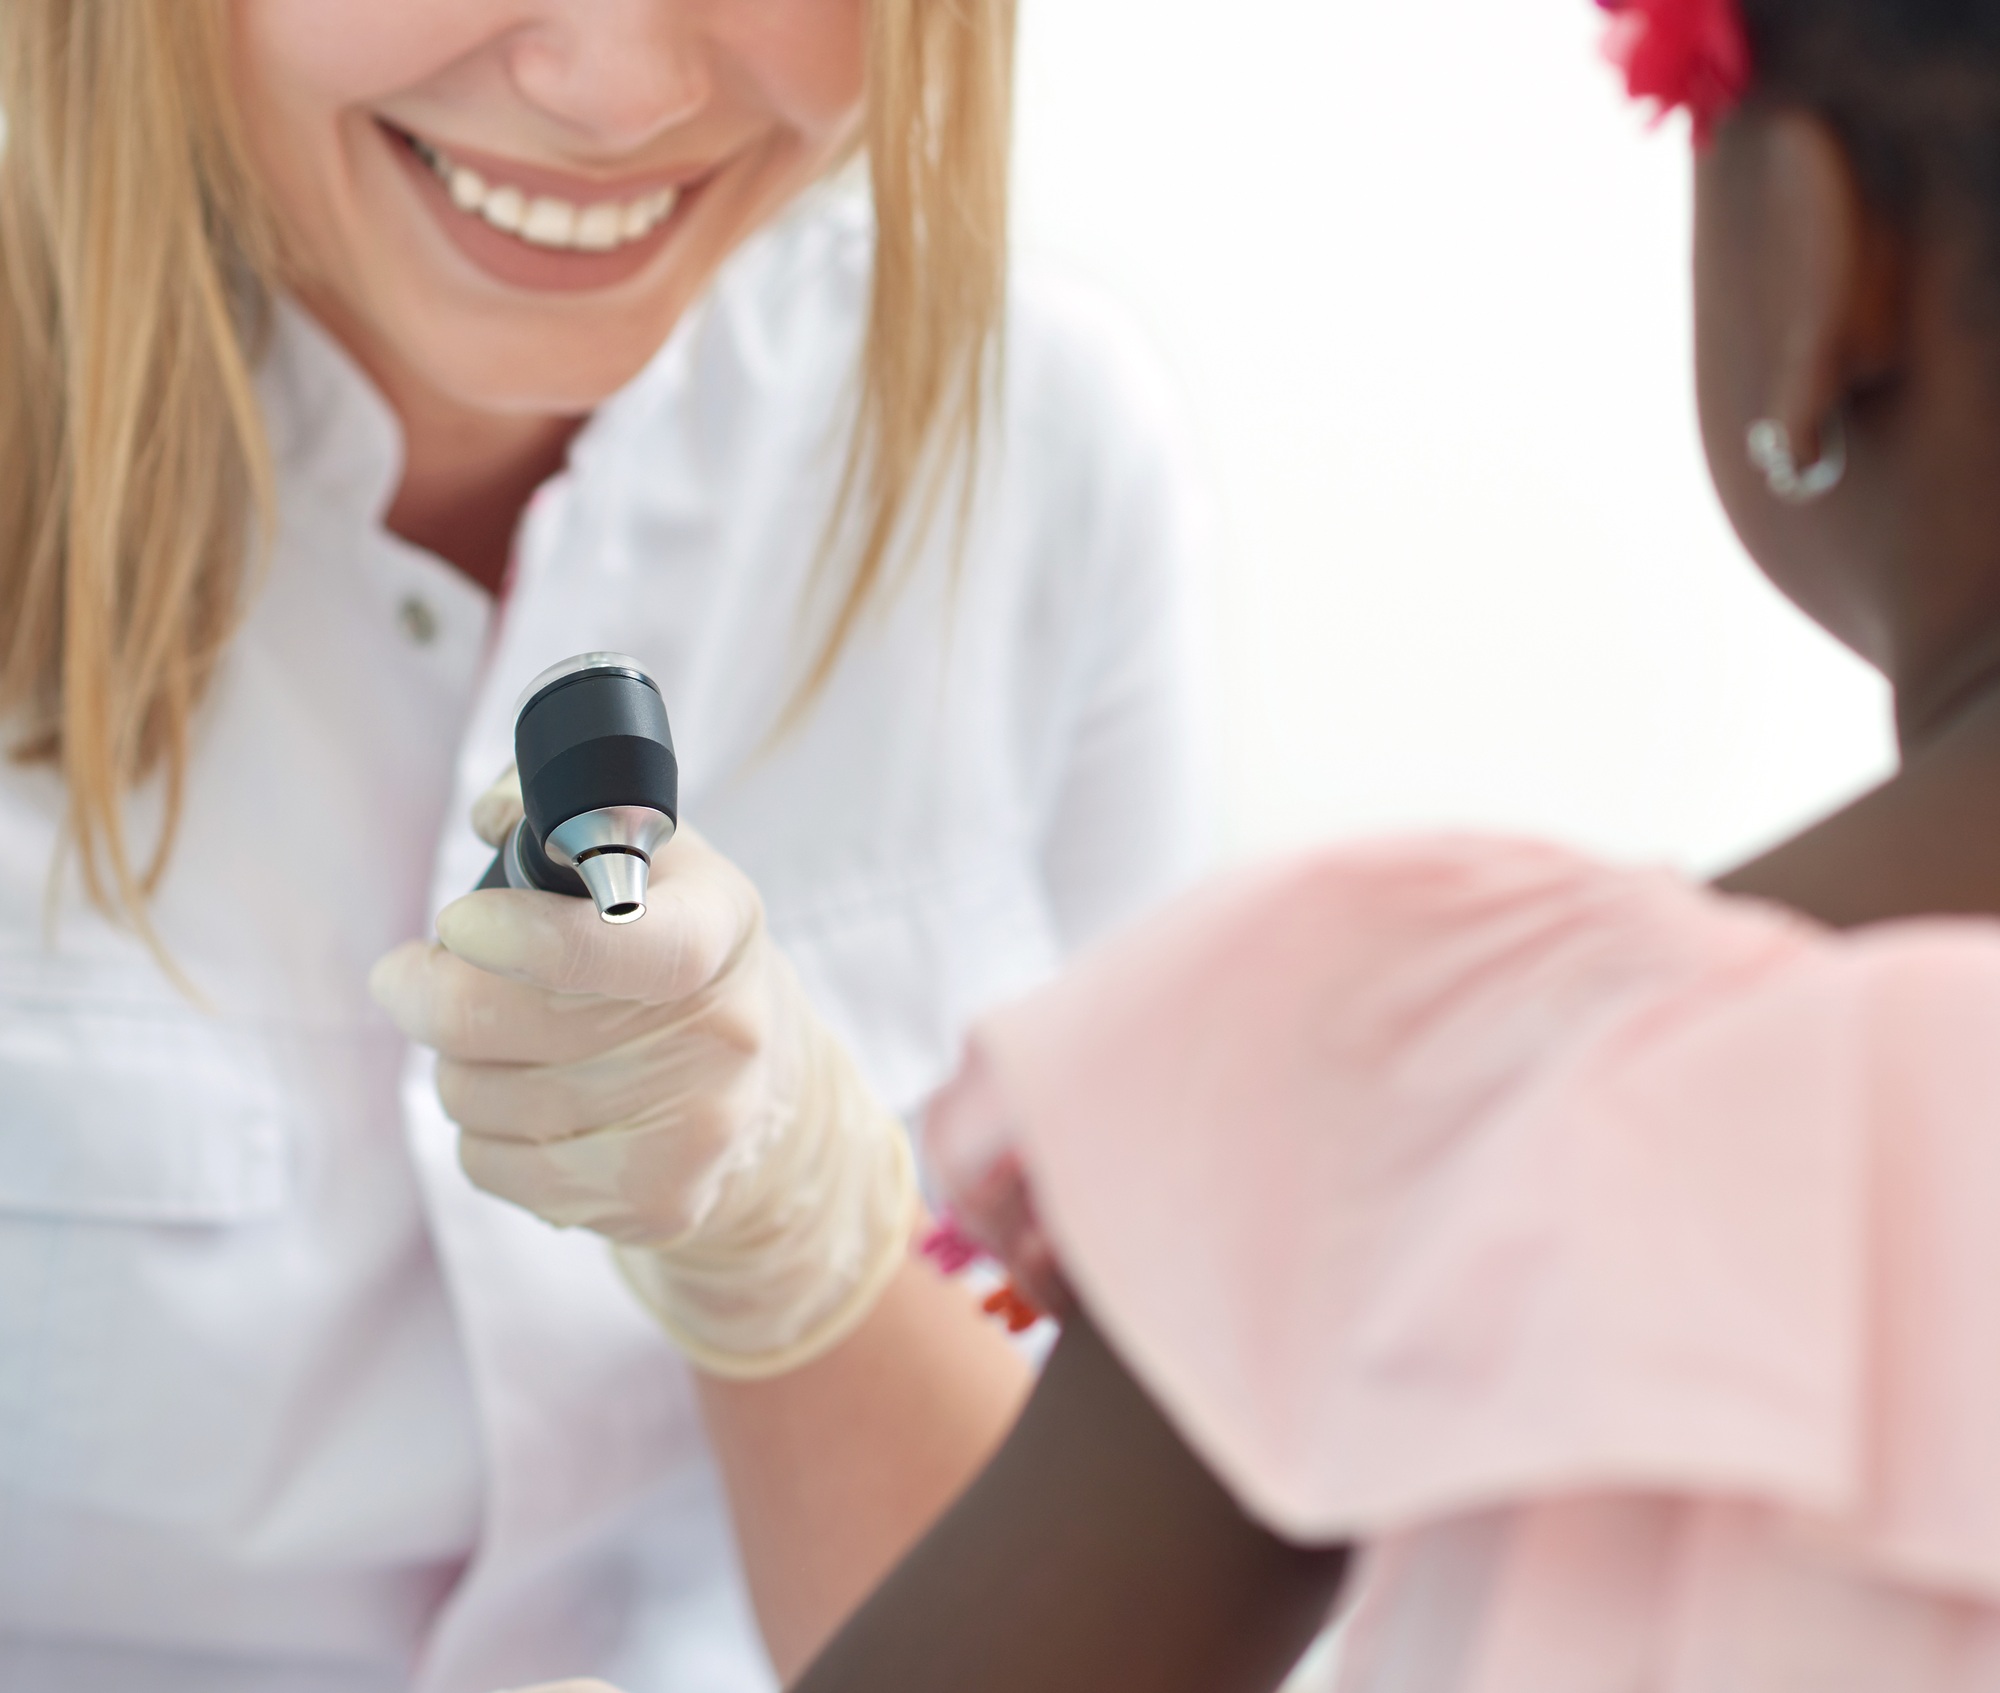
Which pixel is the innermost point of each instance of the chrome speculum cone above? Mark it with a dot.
(617, 882)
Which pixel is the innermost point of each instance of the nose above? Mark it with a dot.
(616, 71)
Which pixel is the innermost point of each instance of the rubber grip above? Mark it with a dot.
(532, 868)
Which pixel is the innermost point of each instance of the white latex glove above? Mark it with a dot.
(666, 1084)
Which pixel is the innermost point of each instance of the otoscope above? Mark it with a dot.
(600, 786)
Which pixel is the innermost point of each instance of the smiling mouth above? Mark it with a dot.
(544, 220)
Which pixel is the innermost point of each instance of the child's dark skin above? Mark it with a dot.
(1093, 1554)
(1096, 1552)
(1807, 302)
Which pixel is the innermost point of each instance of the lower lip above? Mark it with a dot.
(510, 260)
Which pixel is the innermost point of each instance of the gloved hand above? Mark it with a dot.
(666, 1084)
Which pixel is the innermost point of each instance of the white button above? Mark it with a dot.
(419, 622)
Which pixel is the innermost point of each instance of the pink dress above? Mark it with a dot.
(1618, 1262)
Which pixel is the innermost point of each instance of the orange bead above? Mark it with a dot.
(1006, 1303)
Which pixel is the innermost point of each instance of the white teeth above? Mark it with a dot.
(598, 229)
(503, 209)
(549, 222)
(546, 221)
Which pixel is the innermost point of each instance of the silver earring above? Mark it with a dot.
(1771, 452)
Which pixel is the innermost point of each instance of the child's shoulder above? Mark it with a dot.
(1497, 937)
(1372, 948)
(1431, 1172)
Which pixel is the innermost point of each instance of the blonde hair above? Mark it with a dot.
(136, 266)
(939, 126)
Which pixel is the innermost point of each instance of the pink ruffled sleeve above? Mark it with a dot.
(1443, 1175)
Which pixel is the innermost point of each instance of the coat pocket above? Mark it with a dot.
(136, 1113)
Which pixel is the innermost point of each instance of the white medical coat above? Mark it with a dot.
(285, 1405)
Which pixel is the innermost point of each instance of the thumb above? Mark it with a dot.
(699, 911)
(495, 812)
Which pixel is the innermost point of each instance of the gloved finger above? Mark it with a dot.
(590, 1181)
(495, 812)
(441, 1001)
(699, 910)
(676, 1082)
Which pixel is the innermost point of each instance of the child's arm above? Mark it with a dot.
(1094, 1553)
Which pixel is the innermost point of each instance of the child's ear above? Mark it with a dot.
(1830, 275)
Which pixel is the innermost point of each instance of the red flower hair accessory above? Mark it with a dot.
(1692, 53)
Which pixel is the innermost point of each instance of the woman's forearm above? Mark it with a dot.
(837, 1469)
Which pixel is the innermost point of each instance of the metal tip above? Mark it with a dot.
(617, 883)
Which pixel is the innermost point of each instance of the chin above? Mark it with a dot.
(527, 364)
(530, 388)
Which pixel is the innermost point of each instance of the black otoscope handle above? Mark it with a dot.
(537, 868)
(598, 772)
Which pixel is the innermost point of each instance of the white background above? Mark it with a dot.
(1421, 272)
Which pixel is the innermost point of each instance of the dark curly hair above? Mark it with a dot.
(1911, 86)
